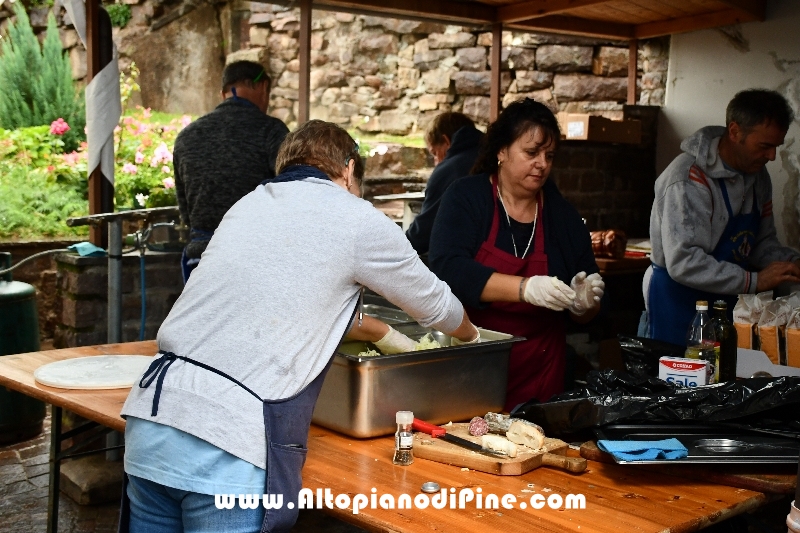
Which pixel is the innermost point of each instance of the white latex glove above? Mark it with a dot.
(395, 342)
(455, 341)
(588, 292)
(549, 292)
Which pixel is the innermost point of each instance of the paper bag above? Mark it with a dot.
(793, 347)
(770, 342)
(744, 333)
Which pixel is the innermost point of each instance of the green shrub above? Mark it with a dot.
(37, 81)
(120, 14)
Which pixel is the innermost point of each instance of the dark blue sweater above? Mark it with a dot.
(457, 163)
(465, 220)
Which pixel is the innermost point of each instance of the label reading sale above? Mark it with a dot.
(681, 371)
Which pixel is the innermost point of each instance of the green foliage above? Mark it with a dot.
(37, 81)
(120, 14)
(144, 176)
(40, 186)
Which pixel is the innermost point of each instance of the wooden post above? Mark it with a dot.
(497, 55)
(305, 61)
(98, 55)
(633, 56)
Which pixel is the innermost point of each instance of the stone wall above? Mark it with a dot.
(83, 288)
(378, 74)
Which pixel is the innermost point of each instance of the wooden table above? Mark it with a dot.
(616, 496)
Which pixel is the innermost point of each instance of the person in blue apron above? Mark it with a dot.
(711, 227)
(224, 155)
(225, 407)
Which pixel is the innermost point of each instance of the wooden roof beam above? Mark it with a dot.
(691, 23)
(434, 10)
(539, 8)
(757, 9)
(578, 26)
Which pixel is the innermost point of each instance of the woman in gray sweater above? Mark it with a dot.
(245, 348)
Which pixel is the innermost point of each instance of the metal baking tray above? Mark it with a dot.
(708, 444)
(360, 395)
(387, 315)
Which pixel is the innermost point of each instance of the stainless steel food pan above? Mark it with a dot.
(361, 395)
(387, 315)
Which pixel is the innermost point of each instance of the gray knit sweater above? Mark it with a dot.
(219, 158)
(270, 301)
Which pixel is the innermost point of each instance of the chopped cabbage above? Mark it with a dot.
(427, 343)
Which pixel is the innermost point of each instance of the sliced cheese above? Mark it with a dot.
(525, 433)
(500, 444)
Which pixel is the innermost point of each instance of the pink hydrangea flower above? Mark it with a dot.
(154, 161)
(129, 168)
(59, 127)
(163, 154)
(138, 158)
(72, 158)
(186, 120)
(165, 169)
(168, 183)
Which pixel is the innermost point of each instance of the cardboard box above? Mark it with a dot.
(583, 127)
(686, 372)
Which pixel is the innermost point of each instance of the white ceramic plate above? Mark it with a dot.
(96, 372)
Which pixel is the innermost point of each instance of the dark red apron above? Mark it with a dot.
(536, 368)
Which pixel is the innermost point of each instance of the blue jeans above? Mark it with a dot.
(156, 508)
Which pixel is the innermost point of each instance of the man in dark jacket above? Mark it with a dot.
(453, 140)
(225, 154)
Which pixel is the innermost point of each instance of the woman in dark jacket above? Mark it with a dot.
(454, 141)
(516, 252)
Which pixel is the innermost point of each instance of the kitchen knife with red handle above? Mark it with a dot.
(441, 433)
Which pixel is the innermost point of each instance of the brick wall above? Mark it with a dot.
(611, 185)
(83, 288)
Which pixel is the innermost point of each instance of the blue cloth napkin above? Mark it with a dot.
(85, 249)
(644, 450)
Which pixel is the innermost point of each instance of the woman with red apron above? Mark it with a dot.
(536, 368)
(513, 278)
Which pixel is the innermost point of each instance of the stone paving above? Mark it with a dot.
(24, 479)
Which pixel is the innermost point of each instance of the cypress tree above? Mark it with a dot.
(37, 80)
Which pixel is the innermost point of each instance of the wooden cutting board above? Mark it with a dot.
(552, 454)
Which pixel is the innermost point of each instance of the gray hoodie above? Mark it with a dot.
(689, 217)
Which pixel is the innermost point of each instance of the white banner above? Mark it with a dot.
(103, 107)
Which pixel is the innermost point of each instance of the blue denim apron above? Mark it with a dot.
(189, 264)
(286, 425)
(671, 305)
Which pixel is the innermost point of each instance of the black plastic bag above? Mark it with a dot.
(612, 396)
(641, 355)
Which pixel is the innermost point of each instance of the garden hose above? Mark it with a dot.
(31, 258)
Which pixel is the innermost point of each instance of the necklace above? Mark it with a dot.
(508, 219)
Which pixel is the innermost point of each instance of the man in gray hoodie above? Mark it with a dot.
(711, 226)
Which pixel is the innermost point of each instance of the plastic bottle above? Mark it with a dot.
(728, 341)
(403, 439)
(700, 340)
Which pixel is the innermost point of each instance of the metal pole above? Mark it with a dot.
(114, 309)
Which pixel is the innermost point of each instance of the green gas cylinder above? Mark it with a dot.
(21, 417)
